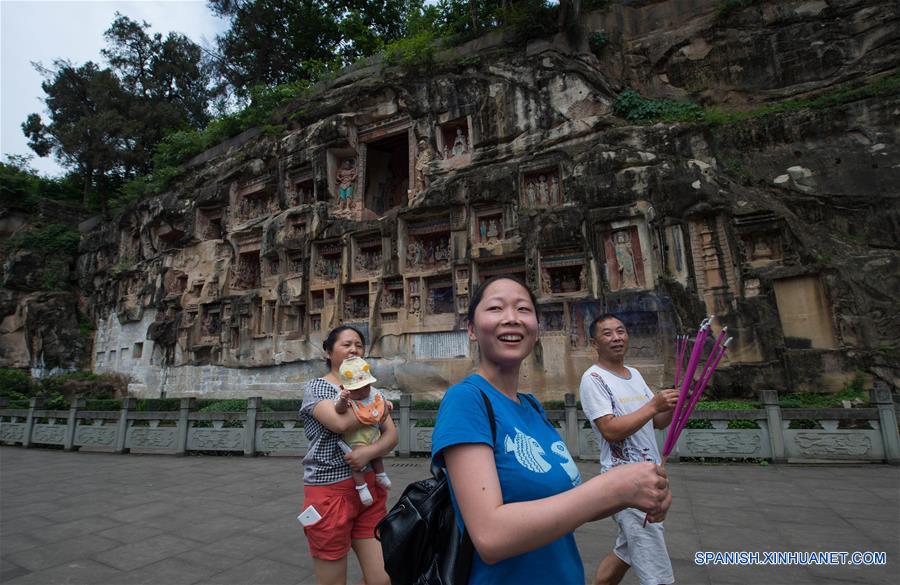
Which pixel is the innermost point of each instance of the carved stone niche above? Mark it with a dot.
(209, 224)
(367, 256)
(254, 199)
(294, 230)
(291, 319)
(246, 273)
(563, 272)
(487, 227)
(717, 279)
(676, 254)
(461, 277)
(343, 180)
(166, 234)
(387, 149)
(272, 266)
(414, 296)
(624, 257)
(391, 300)
(805, 312)
(542, 187)
(427, 246)
(299, 187)
(295, 265)
(356, 302)
(439, 299)
(327, 261)
(511, 266)
(760, 237)
(210, 324)
(175, 282)
(553, 319)
(454, 141)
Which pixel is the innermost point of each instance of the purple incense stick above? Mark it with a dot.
(701, 387)
(688, 378)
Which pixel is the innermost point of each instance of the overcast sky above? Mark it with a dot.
(35, 30)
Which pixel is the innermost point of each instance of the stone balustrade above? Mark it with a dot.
(840, 434)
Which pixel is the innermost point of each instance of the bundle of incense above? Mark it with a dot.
(691, 390)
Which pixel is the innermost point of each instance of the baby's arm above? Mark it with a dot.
(343, 401)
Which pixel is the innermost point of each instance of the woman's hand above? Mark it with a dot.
(645, 487)
(359, 457)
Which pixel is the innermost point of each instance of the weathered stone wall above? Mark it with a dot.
(391, 194)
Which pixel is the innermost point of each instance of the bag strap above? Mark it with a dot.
(436, 470)
(463, 567)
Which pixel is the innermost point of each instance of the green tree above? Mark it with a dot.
(272, 42)
(167, 79)
(105, 124)
(89, 127)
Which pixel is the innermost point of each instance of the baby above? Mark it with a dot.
(368, 405)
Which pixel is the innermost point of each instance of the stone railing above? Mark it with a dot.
(872, 435)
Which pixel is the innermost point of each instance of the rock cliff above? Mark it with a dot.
(389, 193)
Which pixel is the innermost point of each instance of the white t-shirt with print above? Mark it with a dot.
(602, 393)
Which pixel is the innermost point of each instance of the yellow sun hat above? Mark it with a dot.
(355, 373)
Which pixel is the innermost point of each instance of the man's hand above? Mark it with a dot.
(665, 400)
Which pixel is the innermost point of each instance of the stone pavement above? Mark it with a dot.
(99, 518)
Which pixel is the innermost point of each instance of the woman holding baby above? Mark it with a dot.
(347, 512)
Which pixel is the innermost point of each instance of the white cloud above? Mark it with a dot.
(44, 31)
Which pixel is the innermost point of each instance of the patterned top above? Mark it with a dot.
(368, 411)
(324, 461)
(604, 392)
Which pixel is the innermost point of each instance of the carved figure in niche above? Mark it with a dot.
(492, 231)
(531, 189)
(295, 265)
(761, 249)
(460, 145)
(625, 259)
(413, 287)
(542, 190)
(554, 191)
(414, 305)
(426, 155)
(348, 307)
(583, 278)
(346, 177)
(483, 230)
(546, 285)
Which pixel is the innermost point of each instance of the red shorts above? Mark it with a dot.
(343, 516)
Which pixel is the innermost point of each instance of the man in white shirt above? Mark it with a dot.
(623, 412)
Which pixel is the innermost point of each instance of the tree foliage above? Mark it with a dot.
(272, 42)
(104, 123)
(89, 130)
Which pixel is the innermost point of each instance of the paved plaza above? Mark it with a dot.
(101, 518)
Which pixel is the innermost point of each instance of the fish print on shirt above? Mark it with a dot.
(528, 452)
(559, 449)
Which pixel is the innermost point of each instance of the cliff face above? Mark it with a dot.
(390, 194)
(39, 328)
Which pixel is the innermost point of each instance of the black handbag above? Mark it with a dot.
(420, 538)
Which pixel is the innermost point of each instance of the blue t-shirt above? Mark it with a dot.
(532, 463)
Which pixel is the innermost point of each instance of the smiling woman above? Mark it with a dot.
(518, 492)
